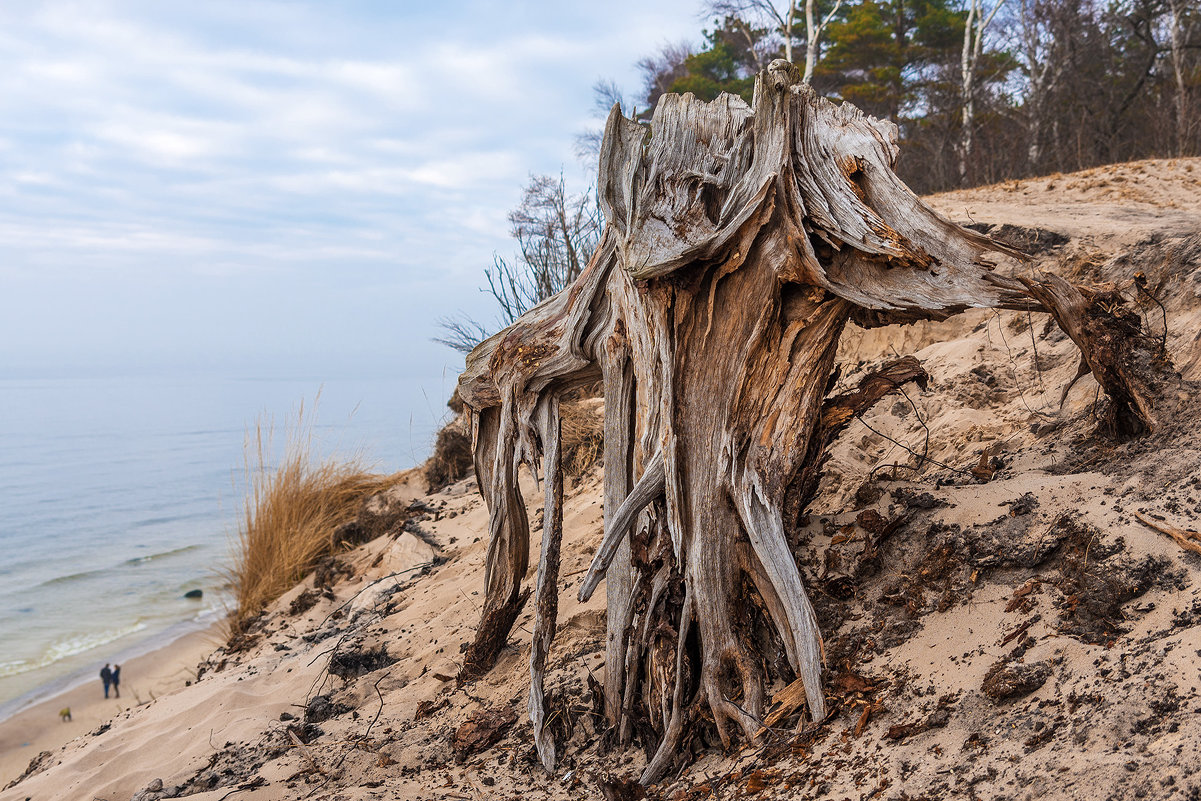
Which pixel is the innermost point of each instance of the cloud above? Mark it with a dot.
(230, 152)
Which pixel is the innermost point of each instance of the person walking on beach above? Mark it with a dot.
(106, 676)
(117, 680)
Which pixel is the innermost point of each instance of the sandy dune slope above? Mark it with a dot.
(1014, 632)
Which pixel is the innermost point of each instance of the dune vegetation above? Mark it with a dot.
(292, 513)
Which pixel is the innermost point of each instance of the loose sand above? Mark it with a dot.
(1023, 638)
(143, 679)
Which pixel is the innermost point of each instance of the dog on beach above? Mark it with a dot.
(65, 714)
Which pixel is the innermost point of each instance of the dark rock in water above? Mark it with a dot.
(194, 594)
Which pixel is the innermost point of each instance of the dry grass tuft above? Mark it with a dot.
(583, 427)
(291, 515)
(451, 459)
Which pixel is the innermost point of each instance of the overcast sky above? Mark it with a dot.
(285, 188)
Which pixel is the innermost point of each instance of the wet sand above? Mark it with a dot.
(145, 677)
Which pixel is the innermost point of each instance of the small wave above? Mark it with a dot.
(141, 560)
(71, 577)
(137, 560)
(69, 646)
(158, 521)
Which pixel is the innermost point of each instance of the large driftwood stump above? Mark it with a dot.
(739, 243)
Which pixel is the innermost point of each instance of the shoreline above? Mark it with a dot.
(150, 668)
(130, 647)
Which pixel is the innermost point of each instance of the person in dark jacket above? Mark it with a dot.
(106, 676)
(117, 680)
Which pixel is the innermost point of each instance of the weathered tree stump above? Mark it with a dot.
(739, 243)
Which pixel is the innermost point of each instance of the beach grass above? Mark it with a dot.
(292, 511)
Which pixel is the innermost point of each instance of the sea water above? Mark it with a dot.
(118, 495)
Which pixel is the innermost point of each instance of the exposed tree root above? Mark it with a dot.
(1186, 538)
(739, 244)
(1130, 366)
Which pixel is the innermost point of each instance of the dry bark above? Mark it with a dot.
(739, 243)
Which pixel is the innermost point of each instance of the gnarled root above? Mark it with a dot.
(1130, 366)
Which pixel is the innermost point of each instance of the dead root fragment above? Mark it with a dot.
(935, 720)
(1187, 539)
(783, 704)
(481, 731)
(1006, 680)
(491, 636)
(1132, 367)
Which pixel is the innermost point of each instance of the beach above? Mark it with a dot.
(120, 498)
(144, 678)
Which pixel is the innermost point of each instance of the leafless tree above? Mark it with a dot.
(556, 233)
(460, 332)
(1044, 32)
(1177, 39)
(781, 20)
(813, 32)
(662, 69)
(605, 95)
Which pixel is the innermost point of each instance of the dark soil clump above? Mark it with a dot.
(303, 602)
(348, 665)
(1007, 679)
(452, 456)
(322, 708)
(1096, 578)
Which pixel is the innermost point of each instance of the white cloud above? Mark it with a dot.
(160, 142)
(331, 148)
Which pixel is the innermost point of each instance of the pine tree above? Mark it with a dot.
(728, 63)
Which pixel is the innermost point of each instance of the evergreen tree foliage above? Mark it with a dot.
(727, 63)
(1059, 85)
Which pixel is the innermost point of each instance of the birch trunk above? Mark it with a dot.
(813, 35)
(1176, 10)
(973, 41)
(739, 242)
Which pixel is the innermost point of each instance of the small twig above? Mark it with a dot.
(363, 589)
(471, 697)
(1012, 365)
(1034, 344)
(379, 711)
(737, 706)
(320, 654)
(911, 451)
(894, 465)
(1141, 285)
(304, 749)
(1020, 630)
(922, 422)
(323, 676)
